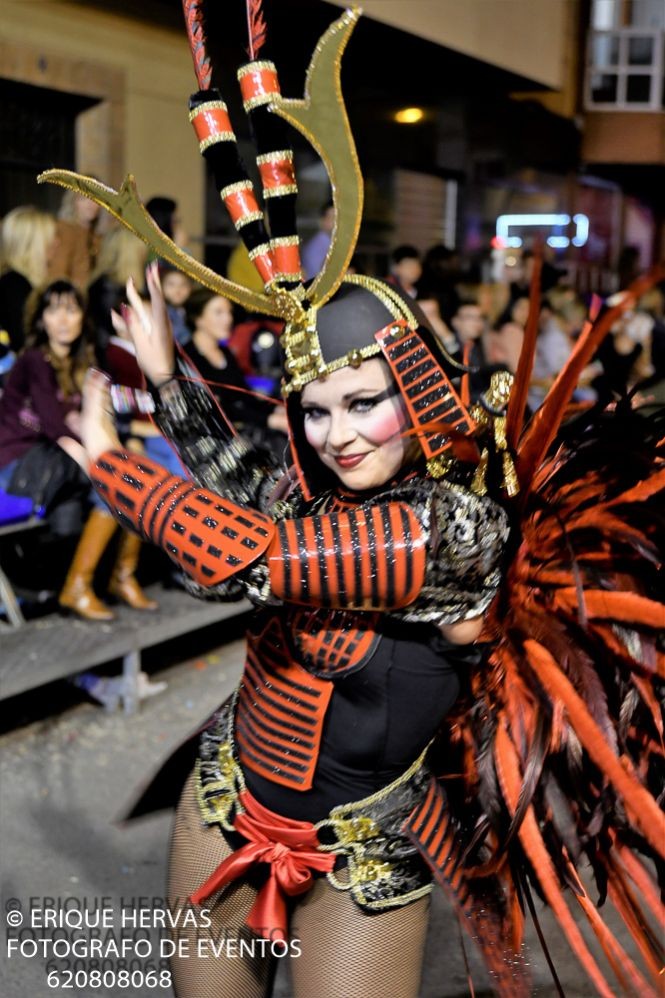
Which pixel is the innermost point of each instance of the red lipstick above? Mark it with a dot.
(350, 460)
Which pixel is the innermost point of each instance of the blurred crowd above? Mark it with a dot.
(62, 291)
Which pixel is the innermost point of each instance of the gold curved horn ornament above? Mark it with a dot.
(126, 206)
(321, 118)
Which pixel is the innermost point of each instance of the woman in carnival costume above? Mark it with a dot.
(327, 794)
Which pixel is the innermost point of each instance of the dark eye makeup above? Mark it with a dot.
(363, 404)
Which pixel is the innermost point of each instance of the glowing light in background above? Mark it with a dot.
(543, 221)
(409, 115)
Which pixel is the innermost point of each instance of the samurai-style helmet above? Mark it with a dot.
(337, 320)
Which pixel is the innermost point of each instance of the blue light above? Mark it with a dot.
(582, 234)
(555, 221)
(558, 242)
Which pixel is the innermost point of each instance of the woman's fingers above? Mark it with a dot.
(75, 451)
(163, 355)
(98, 431)
(119, 324)
(159, 311)
(138, 308)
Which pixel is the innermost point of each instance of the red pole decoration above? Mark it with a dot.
(277, 173)
(212, 124)
(241, 203)
(520, 389)
(258, 84)
(286, 252)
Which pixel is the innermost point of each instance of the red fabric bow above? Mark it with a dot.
(288, 846)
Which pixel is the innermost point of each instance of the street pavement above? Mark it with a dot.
(65, 777)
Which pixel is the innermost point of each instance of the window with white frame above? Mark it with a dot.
(625, 56)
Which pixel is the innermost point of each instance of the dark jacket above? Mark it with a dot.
(14, 291)
(32, 407)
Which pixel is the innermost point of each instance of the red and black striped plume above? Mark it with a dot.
(259, 86)
(217, 142)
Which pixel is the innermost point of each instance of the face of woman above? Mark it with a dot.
(216, 319)
(63, 321)
(354, 420)
(86, 210)
(520, 311)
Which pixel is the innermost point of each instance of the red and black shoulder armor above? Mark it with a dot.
(370, 558)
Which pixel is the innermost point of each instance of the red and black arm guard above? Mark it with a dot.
(211, 538)
(365, 559)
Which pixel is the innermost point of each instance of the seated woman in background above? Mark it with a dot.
(210, 319)
(39, 422)
(40, 409)
(177, 288)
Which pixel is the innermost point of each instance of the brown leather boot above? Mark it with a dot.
(77, 593)
(123, 582)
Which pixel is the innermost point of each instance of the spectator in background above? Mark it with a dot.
(471, 330)
(470, 326)
(77, 240)
(164, 211)
(28, 237)
(553, 348)
(503, 345)
(122, 255)
(210, 322)
(441, 273)
(39, 420)
(517, 311)
(316, 249)
(39, 409)
(177, 288)
(405, 269)
(632, 353)
(210, 319)
(430, 309)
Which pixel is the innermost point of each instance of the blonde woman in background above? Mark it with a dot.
(28, 240)
(122, 256)
(78, 240)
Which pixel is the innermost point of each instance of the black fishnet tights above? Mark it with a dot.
(344, 952)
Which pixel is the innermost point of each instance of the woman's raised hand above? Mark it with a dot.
(97, 426)
(98, 432)
(150, 329)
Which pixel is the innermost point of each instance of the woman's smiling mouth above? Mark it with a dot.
(349, 460)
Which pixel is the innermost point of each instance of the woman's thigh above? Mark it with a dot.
(346, 951)
(220, 971)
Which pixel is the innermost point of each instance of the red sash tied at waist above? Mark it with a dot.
(290, 849)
